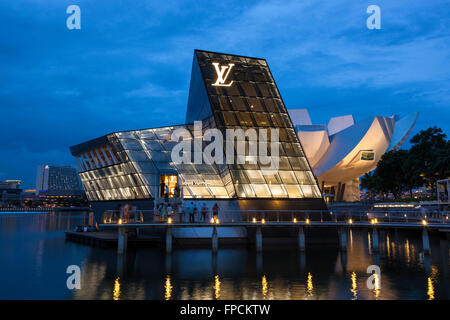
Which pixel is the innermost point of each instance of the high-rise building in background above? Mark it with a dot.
(10, 191)
(57, 181)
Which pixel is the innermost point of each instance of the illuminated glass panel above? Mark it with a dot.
(255, 176)
(261, 190)
(199, 191)
(277, 190)
(287, 177)
(293, 191)
(304, 177)
(249, 190)
(310, 191)
(219, 191)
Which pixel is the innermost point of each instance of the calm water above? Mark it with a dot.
(35, 255)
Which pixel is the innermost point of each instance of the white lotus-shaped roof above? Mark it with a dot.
(345, 150)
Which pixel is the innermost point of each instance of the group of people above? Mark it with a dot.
(165, 192)
(164, 211)
(126, 212)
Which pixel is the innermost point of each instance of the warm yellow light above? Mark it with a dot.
(295, 220)
(424, 222)
(217, 286)
(212, 220)
(376, 220)
(307, 221)
(217, 220)
(169, 220)
(254, 220)
(116, 290)
(372, 221)
(430, 291)
(263, 221)
(264, 285)
(168, 288)
(354, 289)
(350, 221)
(120, 221)
(309, 284)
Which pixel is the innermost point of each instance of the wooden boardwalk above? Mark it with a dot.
(341, 226)
(105, 239)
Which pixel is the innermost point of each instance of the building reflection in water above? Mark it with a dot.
(217, 286)
(168, 288)
(377, 285)
(407, 251)
(116, 290)
(284, 269)
(351, 239)
(431, 281)
(309, 285)
(430, 291)
(264, 286)
(354, 289)
(388, 245)
(151, 274)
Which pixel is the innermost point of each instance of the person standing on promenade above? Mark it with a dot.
(166, 194)
(161, 212)
(192, 212)
(176, 192)
(204, 213)
(180, 212)
(215, 211)
(169, 211)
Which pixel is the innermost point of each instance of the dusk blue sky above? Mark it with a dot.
(129, 66)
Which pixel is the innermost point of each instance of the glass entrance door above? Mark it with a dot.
(168, 183)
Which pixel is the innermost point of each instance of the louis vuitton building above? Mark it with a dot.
(226, 92)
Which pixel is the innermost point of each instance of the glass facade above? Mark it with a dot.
(129, 165)
(107, 174)
(253, 101)
(150, 150)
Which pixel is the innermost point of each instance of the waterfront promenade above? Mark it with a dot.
(254, 222)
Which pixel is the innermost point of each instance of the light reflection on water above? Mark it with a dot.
(116, 290)
(35, 257)
(354, 288)
(168, 288)
(264, 286)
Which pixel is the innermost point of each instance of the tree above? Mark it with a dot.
(411, 174)
(396, 172)
(370, 182)
(391, 172)
(430, 155)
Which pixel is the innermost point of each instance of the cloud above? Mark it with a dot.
(153, 90)
(130, 64)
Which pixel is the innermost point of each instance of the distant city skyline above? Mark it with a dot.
(129, 66)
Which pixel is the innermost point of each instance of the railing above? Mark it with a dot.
(22, 209)
(405, 216)
(273, 216)
(119, 217)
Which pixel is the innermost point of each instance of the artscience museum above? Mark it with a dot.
(230, 93)
(343, 150)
